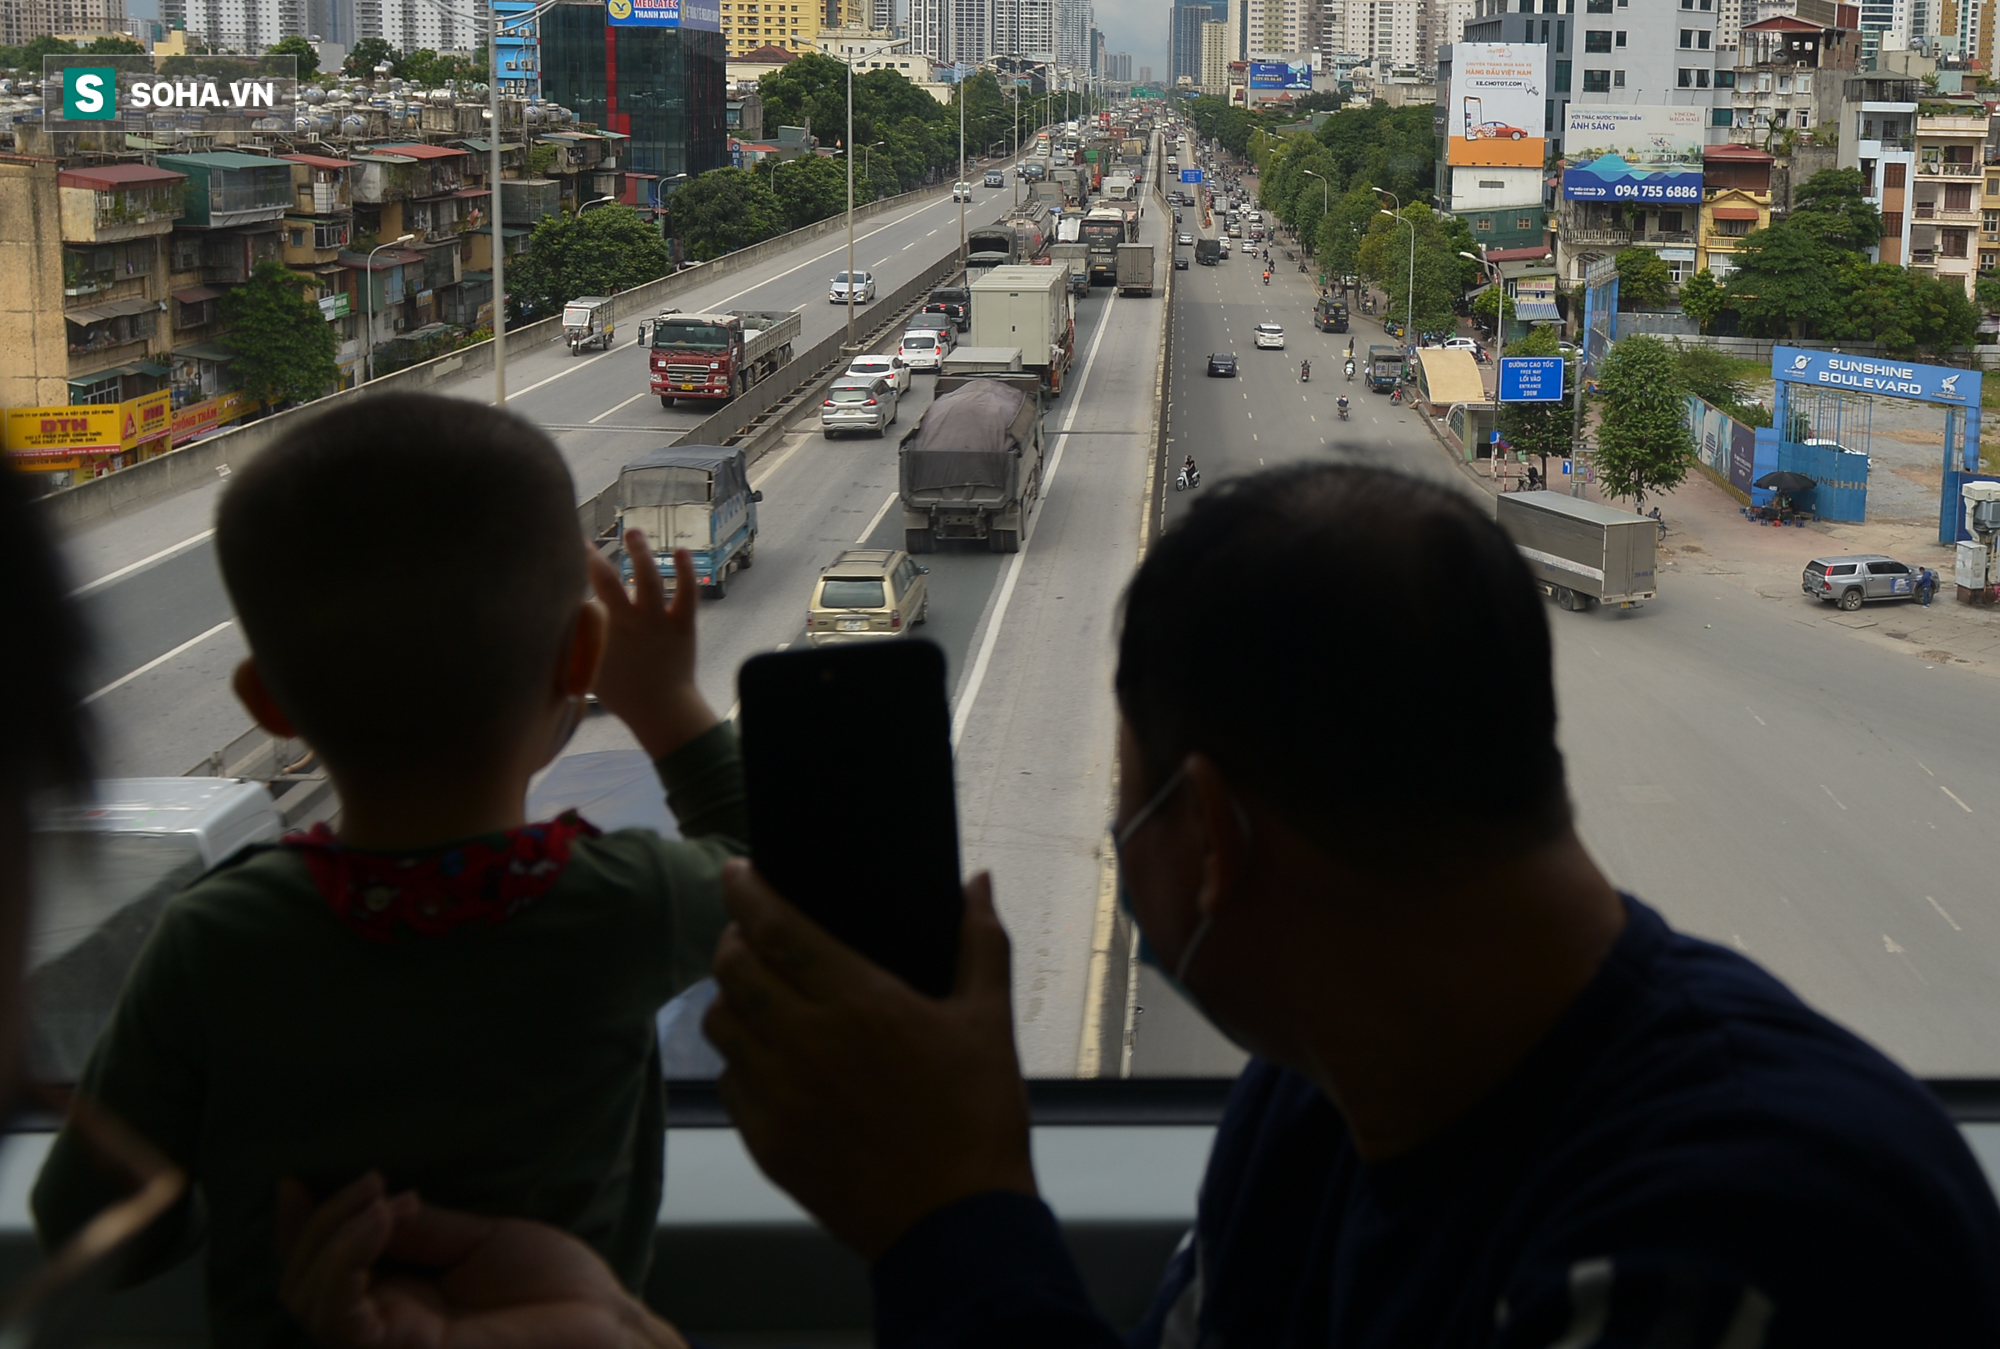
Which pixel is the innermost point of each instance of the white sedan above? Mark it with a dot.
(890, 368)
(1270, 337)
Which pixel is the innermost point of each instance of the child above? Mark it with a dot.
(442, 990)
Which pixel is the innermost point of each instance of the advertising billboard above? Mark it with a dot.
(702, 15)
(1497, 115)
(1277, 73)
(1632, 154)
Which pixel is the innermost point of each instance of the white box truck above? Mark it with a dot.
(1583, 553)
(1135, 269)
(1029, 308)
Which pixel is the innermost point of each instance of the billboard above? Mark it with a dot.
(1275, 73)
(702, 15)
(1497, 115)
(1633, 154)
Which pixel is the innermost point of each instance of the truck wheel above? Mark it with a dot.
(919, 541)
(665, 401)
(721, 587)
(1004, 540)
(749, 558)
(1850, 600)
(1565, 599)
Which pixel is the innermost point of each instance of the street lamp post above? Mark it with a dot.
(595, 201)
(1410, 295)
(370, 269)
(849, 143)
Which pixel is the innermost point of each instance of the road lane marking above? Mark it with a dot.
(876, 519)
(1954, 796)
(1942, 914)
(1829, 791)
(158, 661)
(643, 393)
(1890, 945)
(1920, 764)
(141, 564)
(963, 712)
(1754, 717)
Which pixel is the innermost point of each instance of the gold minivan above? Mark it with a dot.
(867, 594)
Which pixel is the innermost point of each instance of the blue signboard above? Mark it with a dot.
(1190, 175)
(1869, 374)
(704, 15)
(1296, 75)
(1531, 379)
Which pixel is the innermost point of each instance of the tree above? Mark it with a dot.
(1643, 441)
(368, 53)
(723, 210)
(1831, 208)
(32, 54)
(307, 54)
(1782, 285)
(1540, 429)
(1987, 291)
(1712, 375)
(1702, 298)
(1343, 228)
(114, 45)
(814, 187)
(1903, 309)
(284, 346)
(1494, 307)
(600, 252)
(1440, 274)
(429, 70)
(1643, 279)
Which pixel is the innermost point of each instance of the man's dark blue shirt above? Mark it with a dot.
(1691, 1157)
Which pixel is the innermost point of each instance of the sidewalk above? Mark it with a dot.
(1708, 537)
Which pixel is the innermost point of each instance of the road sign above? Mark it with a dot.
(1531, 379)
(1190, 175)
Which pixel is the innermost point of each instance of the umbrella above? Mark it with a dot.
(1785, 481)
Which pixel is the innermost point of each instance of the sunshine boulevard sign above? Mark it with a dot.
(1869, 374)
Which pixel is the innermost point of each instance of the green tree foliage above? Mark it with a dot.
(1494, 307)
(814, 187)
(1343, 228)
(1643, 442)
(1702, 298)
(1830, 208)
(919, 134)
(430, 70)
(604, 250)
(114, 45)
(1643, 279)
(284, 346)
(307, 54)
(723, 210)
(367, 54)
(1441, 276)
(1392, 148)
(1987, 291)
(1716, 377)
(1903, 309)
(1782, 285)
(29, 58)
(1540, 429)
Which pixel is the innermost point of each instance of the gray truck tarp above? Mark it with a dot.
(971, 437)
(682, 475)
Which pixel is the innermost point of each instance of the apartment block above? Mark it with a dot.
(22, 21)
(1878, 137)
(1946, 199)
(1735, 203)
(1790, 77)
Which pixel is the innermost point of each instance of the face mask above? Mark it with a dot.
(1147, 955)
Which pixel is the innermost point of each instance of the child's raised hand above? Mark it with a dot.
(647, 677)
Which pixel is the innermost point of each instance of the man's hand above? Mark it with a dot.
(493, 1283)
(871, 1104)
(647, 678)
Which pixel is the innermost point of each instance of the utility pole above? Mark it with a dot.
(963, 257)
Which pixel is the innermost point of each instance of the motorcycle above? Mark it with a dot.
(1350, 372)
(1184, 480)
(1267, 278)
(1305, 372)
(1343, 409)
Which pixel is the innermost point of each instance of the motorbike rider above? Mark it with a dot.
(1343, 406)
(1305, 371)
(1267, 276)
(1190, 472)
(1350, 369)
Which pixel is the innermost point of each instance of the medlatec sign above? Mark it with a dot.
(1632, 154)
(123, 93)
(697, 15)
(1282, 72)
(1865, 374)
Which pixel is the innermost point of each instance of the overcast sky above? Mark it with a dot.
(1139, 27)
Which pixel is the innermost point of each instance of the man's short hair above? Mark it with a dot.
(407, 569)
(1363, 651)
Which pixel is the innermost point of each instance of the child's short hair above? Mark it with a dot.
(407, 569)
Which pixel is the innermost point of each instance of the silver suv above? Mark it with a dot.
(1853, 580)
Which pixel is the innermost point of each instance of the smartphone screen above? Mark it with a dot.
(853, 812)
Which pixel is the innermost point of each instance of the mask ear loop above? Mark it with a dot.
(1201, 928)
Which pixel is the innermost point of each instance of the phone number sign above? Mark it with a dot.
(1531, 379)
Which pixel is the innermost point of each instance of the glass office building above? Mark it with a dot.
(663, 87)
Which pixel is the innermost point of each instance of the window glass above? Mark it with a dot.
(1597, 40)
(849, 593)
(1596, 81)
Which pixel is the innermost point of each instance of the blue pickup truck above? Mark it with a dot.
(696, 497)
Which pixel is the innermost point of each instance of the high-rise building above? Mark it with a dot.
(1216, 53)
(1390, 33)
(1145, 74)
(1965, 30)
(22, 21)
(1118, 67)
(406, 25)
(1075, 21)
(663, 87)
(1184, 58)
(930, 29)
(252, 25)
(750, 24)
(1019, 28)
(1447, 20)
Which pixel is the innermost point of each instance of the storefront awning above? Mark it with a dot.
(150, 368)
(196, 294)
(110, 309)
(205, 351)
(1735, 213)
(1538, 312)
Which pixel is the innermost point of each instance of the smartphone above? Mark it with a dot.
(853, 811)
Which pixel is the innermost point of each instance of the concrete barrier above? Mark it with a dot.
(178, 470)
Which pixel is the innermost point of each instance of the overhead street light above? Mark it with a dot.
(1410, 295)
(370, 354)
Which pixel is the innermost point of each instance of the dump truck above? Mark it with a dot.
(1385, 367)
(1208, 252)
(1029, 308)
(711, 358)
(695, 497)
(1583, 553)
(1135, 269)
(971, 468)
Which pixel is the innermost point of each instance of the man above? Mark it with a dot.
(1492, 1101)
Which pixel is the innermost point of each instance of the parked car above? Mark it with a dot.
(1856, 578)
(1836, 445)
(867, 594)
(861, 283)
(1465, 344)
(1222, 363)
(858, 404)
(924, 349)
(890, 368)
(1270, 337)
